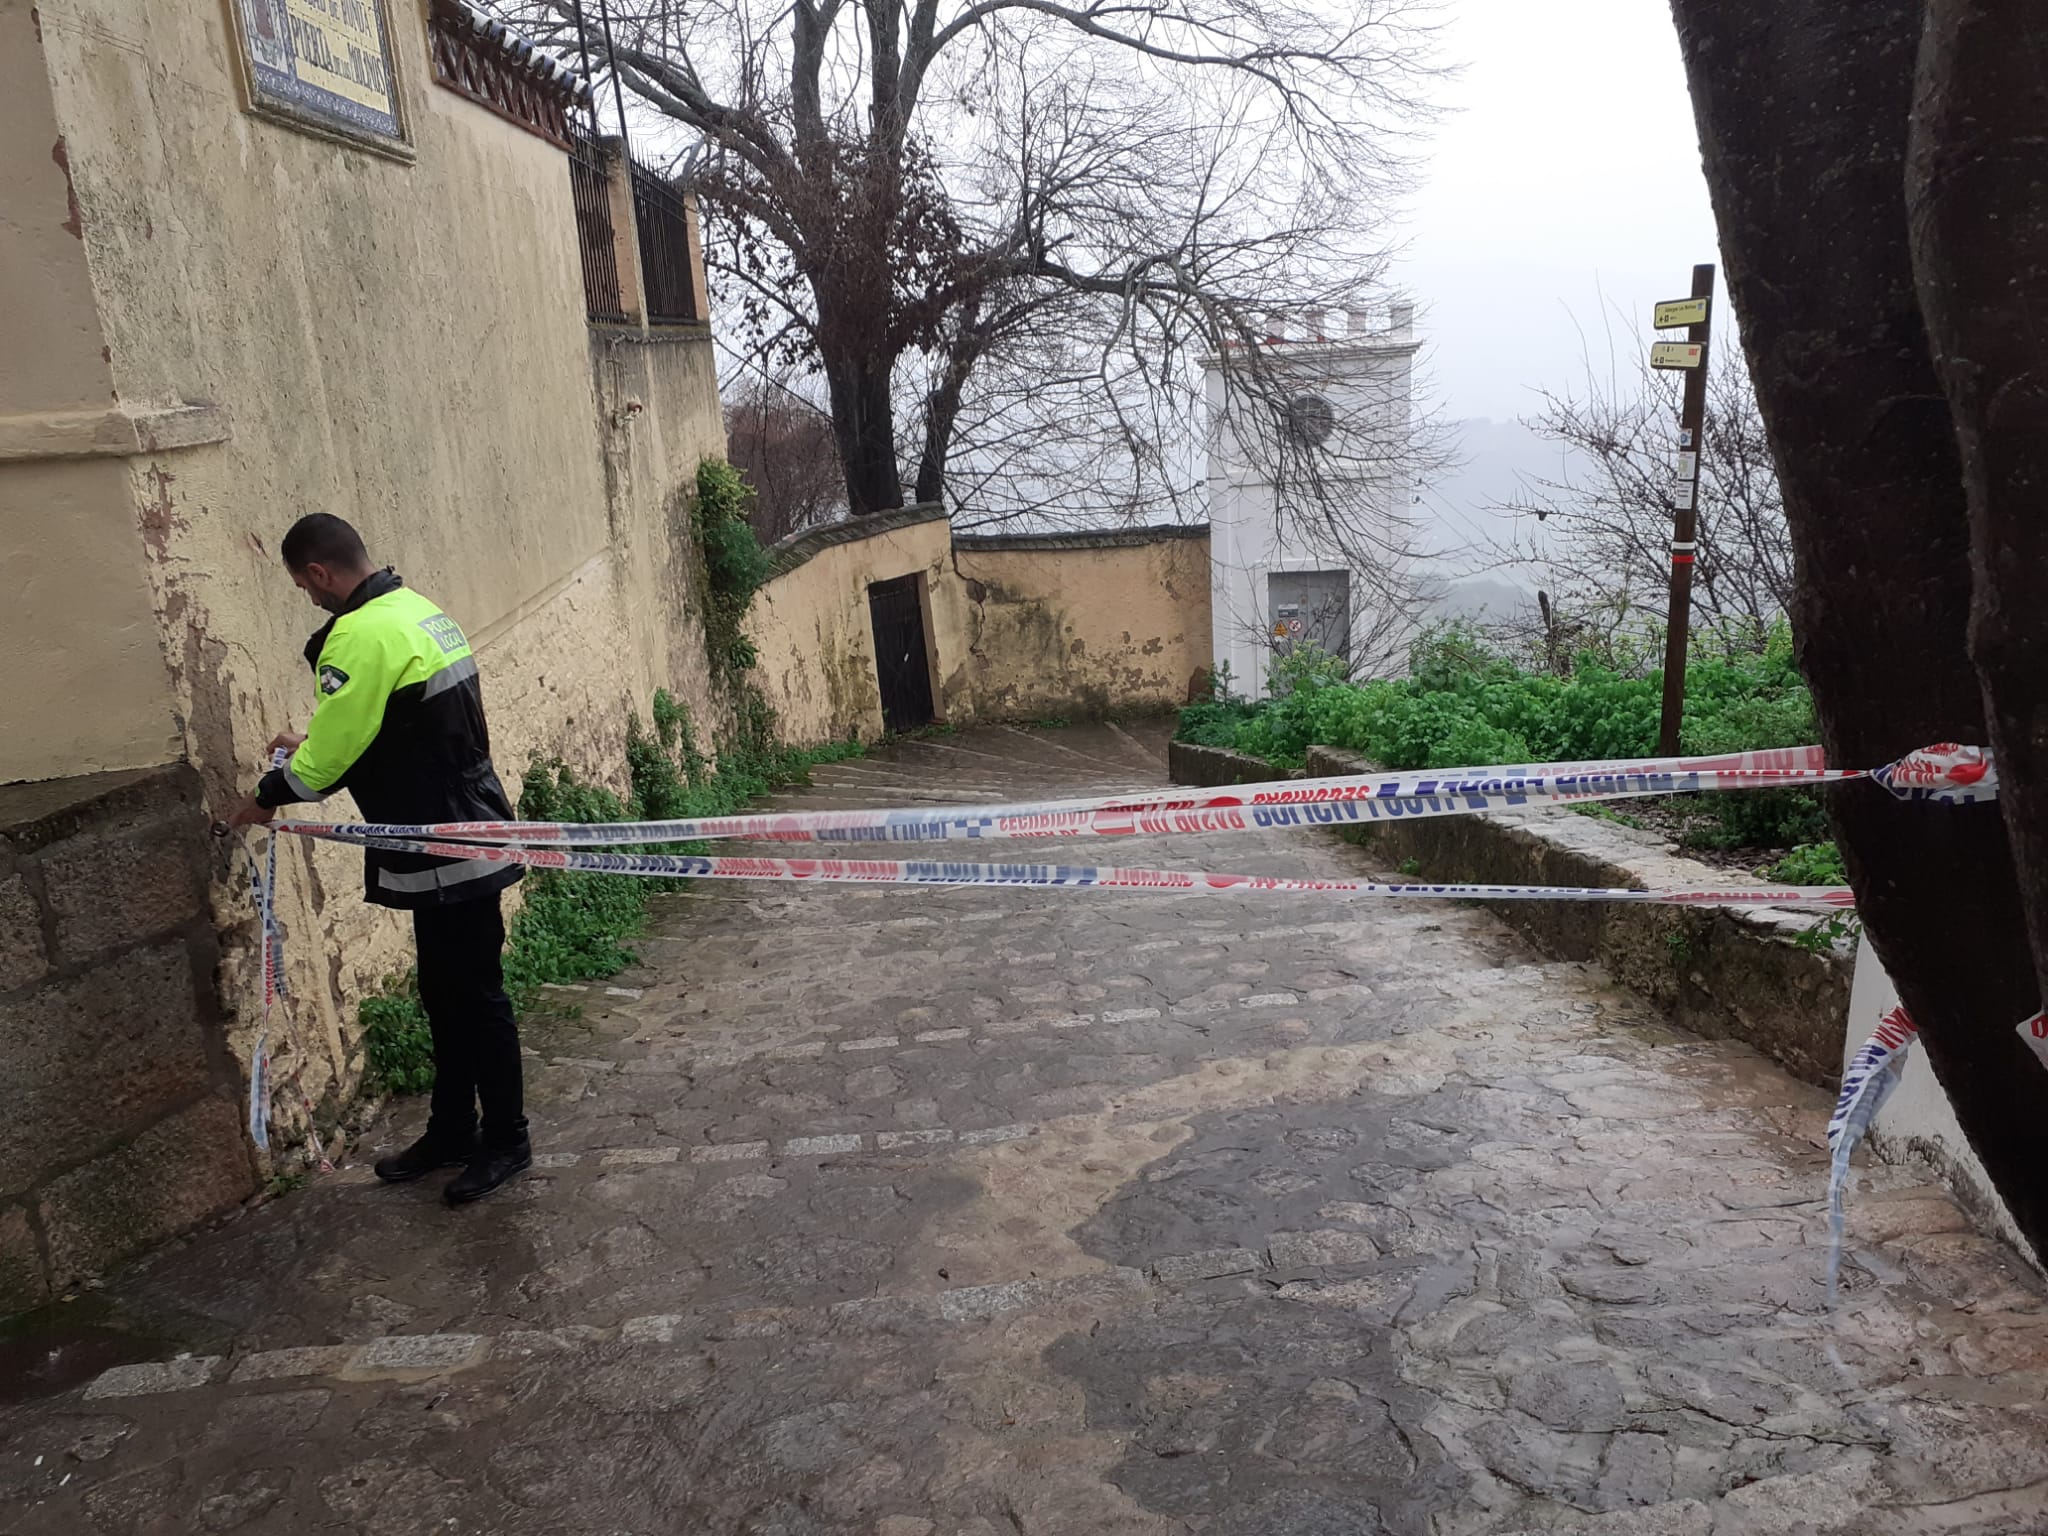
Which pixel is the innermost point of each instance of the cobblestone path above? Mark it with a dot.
(914, 1213)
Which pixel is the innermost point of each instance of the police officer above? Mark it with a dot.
(400, 725)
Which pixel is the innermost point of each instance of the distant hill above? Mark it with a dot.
(1461, 529)
(1480, 597)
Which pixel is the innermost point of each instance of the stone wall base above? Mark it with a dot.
(120, 1105)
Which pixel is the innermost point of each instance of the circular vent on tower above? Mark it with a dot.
(1310, 420)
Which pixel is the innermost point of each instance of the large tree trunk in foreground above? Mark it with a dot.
(1977, 200)
(1802, 109)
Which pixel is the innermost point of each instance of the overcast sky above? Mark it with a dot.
(1566, 172)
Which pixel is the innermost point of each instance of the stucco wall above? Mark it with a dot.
(1017, 627)
(259, 323)
(659, 417)
(1366, 380)
(811, 627)
(1083, 625)
(78, 598)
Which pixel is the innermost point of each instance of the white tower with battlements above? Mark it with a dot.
(1306, 468)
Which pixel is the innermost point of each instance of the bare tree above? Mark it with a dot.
(1597, 537)
(783, 444)
(1873, 170)
(912, 198)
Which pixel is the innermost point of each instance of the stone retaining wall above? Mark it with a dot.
(1212, 767)
(1730, 973)
(120, 1117)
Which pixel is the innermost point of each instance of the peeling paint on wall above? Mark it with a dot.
(74, 224)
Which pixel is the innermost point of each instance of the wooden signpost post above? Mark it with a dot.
(1696, 314)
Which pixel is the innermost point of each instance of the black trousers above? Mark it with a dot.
(476, 1036)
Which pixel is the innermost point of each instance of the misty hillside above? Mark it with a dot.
(1460, 528)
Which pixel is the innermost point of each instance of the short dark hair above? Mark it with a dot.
(321, 538)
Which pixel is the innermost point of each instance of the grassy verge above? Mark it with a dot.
(578, 927)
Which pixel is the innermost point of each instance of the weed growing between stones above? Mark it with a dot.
(1598, 812)
(1842, 929)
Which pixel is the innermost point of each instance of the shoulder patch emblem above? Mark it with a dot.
(446, 632)
(332, 680)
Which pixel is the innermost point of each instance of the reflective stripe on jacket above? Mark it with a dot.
(400, 726)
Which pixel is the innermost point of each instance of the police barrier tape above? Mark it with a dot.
(1873, 1072)
(1078, 876)
(1946, 773)
(2035, 1032)
(263, 890)
(1028, 819)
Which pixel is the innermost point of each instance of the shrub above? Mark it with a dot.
(1465, 705)
(1810, 864)
(398, 1049)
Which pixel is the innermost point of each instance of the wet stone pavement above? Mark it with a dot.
(912, 1213)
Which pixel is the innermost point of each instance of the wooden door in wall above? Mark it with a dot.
(902, 661)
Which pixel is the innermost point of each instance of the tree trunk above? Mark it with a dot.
(1802, 110)
(1977, 198)
(941, 414)
(863, 423)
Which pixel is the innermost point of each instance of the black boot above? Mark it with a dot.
(424, 1156)
(490, 1167)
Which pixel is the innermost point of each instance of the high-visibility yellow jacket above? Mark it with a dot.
(400, 726)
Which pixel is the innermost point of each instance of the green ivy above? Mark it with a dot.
(735, 565)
